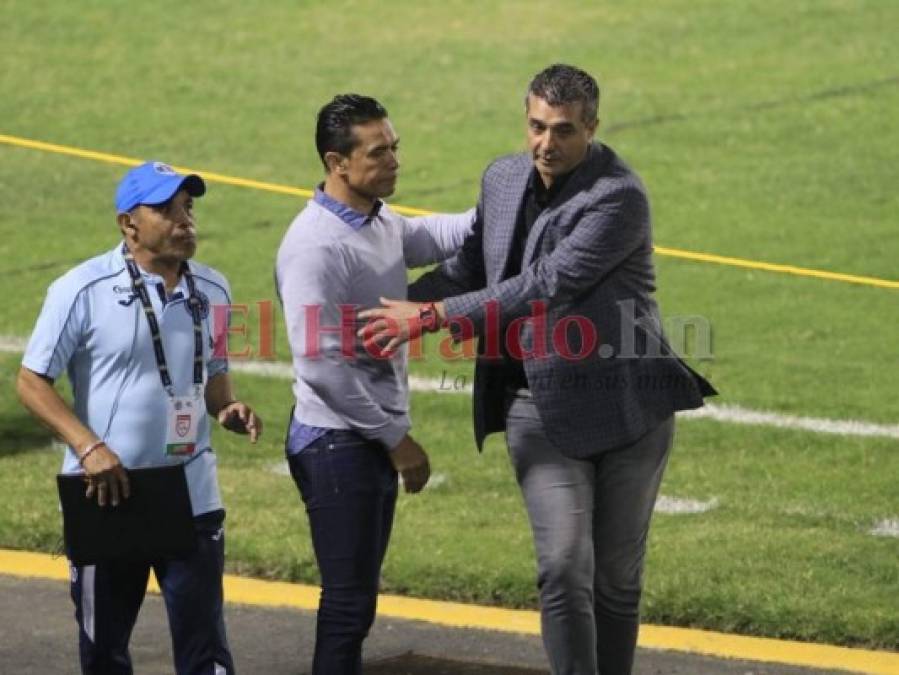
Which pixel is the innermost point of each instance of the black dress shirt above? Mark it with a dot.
(536, 198)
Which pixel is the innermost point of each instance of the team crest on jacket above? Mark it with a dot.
(182, 425)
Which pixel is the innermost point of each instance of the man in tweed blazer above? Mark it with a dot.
(556, 280)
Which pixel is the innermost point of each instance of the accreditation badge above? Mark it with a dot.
(183, 421)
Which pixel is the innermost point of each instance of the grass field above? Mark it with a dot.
(762, 130)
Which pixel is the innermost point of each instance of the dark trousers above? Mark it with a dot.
(590, 520)
(108, 597)
(349, 487)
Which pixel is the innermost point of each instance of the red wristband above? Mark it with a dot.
(90, 448)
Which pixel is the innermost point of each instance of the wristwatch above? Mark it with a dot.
(428, 318)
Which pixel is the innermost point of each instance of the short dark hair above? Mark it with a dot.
(560, 84)
(334, 129)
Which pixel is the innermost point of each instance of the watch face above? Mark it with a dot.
(427, 315)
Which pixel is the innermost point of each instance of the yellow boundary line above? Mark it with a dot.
(710, 643)
(775, 267)
(408, 210)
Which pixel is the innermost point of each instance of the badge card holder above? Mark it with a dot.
(183, 420)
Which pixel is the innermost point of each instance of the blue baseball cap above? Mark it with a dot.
(154, 183)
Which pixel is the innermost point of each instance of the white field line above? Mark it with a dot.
(822, 425)
(680, 506)
(12, 345)
(279, 468)
(886, 528)
(675, 506)
(733, 414)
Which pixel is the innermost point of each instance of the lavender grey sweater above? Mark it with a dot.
(326, 261)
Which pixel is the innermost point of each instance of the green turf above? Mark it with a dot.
(763, 130)
(786, 553)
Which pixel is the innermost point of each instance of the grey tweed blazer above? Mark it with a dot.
(587, 258)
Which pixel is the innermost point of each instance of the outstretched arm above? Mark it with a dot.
(604, 237)
(462, 273)
(432, 238)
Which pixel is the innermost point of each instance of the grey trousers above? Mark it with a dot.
(590, 519)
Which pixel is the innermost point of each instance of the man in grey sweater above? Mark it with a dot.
(349, 431)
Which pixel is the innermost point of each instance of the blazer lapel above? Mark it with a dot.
(587, 169)
(502, 229)
(534, 237)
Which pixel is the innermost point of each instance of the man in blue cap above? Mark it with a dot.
(134, 330)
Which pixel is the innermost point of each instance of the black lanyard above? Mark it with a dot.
(193, 302)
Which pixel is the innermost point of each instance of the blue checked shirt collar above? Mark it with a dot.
(350, 216)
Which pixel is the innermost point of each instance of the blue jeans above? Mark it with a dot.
(349, 487)
(108, 596)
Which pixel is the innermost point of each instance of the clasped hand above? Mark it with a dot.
(394, 323)
(105, 476)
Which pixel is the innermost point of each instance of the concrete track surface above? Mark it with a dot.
(38, 637)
